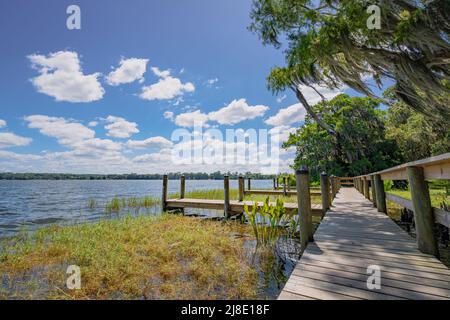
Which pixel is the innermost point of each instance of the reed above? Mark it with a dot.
(92, 203)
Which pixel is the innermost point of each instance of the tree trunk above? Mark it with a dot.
(311, 112)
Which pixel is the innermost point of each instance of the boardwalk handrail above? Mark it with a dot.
(416, 172)
(437, 167)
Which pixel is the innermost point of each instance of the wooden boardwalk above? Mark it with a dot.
(353, 236)
(236, 207)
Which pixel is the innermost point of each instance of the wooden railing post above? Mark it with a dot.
(274, 184)
(324, 190)
(182, 187)
(164, 193)
(284, 186)
(366, 188)
(380, 194)
(249, 184)
(304, 207)
(333, 186)
(374, 194)
(423, 212)
(226, 189)
(241, 188)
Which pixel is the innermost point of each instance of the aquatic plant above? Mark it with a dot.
(92, 204)
(268, 221)
(114, 205)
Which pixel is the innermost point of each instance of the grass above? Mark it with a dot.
(438, 196)
(145, 257)
(217, 194)
(117, 204)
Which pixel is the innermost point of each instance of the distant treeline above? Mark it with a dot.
(131, 176)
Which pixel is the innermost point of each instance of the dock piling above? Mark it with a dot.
(324, 189)
(423, 212)
(182, 186)
(164, 193)
(241, 188)
(304, 207)
(226, 189)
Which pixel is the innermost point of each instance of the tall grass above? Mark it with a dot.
(117, 204)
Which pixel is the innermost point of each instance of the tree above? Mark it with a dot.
(329, 44)
(359, 145)
(417, 137)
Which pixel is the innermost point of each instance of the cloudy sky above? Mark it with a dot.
(107, 98)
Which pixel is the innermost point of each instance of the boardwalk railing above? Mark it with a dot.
(416, 173)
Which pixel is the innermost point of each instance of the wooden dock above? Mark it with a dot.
(278, 192)
(236, 207)
(353, 236)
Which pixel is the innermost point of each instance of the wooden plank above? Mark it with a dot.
(389, 286)
(437, 167)
(286, 295)
(353, 236)
(344, 289)
(277, 192)
(386, 274)
(314, 293)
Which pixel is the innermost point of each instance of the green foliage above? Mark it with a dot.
(417, 137)
(267, 221)
(359, 145)
(329, 43)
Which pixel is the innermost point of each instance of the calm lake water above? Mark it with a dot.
(33, 204)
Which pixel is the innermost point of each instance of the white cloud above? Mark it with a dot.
(129, 70)
(120, 128)
(296, 112)
(73, 135)
(2, 123)
(61, 77)
(292, 114)
(67, 132)
(166, 88)
(189, 118)
(168, 115)
(153, 142)
(282, 132)
(159, 73)
(93, 124)
(8, 139)
(211, 82)
(237, 111)
(18, 156)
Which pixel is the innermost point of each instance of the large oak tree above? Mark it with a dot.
(329, 44)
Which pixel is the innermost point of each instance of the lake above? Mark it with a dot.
(32, 204)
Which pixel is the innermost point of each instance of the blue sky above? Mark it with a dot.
(107, 98)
